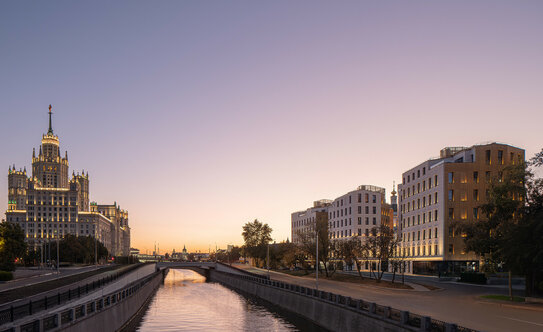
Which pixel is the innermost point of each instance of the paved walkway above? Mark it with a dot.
(455, 303)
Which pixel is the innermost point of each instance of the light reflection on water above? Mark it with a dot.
(187, 303)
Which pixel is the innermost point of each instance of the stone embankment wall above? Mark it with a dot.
(108, 312)
(330, 311)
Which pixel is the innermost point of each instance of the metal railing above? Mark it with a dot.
(422, 323)
(13, 313)
(80, 311)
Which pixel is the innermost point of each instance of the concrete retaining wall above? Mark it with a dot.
(328, 313)
(114, 317)
(109, 312)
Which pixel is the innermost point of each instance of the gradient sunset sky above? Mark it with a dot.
(199, 116)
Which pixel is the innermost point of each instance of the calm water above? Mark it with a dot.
(187, 303)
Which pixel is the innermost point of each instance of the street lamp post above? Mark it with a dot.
(58, 251)
(317, 260)
(268, 260)
(95, 248)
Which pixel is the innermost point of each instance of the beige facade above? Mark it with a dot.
(48, 205)
(438, 195)
(305, 221)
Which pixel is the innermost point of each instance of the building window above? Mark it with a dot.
(367, 221)
(429, 183)
(451, 213)
(374, 221)
(436, 183)
(451, 177)
(476, 177)
(475, 213)
(487, 176)
(451, 249)
(451, 195)
(500, 157)
(374, 210)
(360, 220)
(476, 195)
(487, 157)
(424, 171)
(374, 199)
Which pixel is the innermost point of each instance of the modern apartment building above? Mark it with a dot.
(48, 205)
(357, 212)
(439, 194)
(304, 221)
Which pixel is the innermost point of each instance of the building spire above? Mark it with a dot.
(50, 122)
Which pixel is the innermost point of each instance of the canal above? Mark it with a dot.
(185, 302)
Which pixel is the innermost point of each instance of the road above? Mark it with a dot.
(455, 303)
(26, 277)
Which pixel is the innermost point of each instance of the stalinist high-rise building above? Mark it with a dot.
(48, 204)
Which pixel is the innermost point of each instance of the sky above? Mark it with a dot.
(200, 116)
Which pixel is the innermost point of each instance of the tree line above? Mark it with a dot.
(73, 249)
(379, 249)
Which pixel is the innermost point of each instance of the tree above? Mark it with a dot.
(326, 246)
(352, 251)
(79, 249)
(12, 245)
(398, 259)
(381, 244)
(503, 210)
(512, 231)
(257, 236)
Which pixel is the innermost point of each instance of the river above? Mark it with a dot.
(185, 302)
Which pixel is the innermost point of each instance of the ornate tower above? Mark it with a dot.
(83, 193)
(17, 186)
(49, 167)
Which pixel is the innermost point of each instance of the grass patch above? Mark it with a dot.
(342, 277)
(503, 298)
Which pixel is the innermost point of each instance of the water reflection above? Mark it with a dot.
(187, 303)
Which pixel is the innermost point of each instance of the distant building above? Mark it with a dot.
(357, 212)
(180, 256)
(439, 194)
(48, 205)
(304, 221)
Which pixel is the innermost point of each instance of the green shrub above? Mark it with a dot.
(5, 275)
(473, 277)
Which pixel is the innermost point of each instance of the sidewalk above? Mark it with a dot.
(415, 287)
(456, 303)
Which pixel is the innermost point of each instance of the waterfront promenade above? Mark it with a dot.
(453, 302)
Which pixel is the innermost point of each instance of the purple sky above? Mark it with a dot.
(200, 116)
